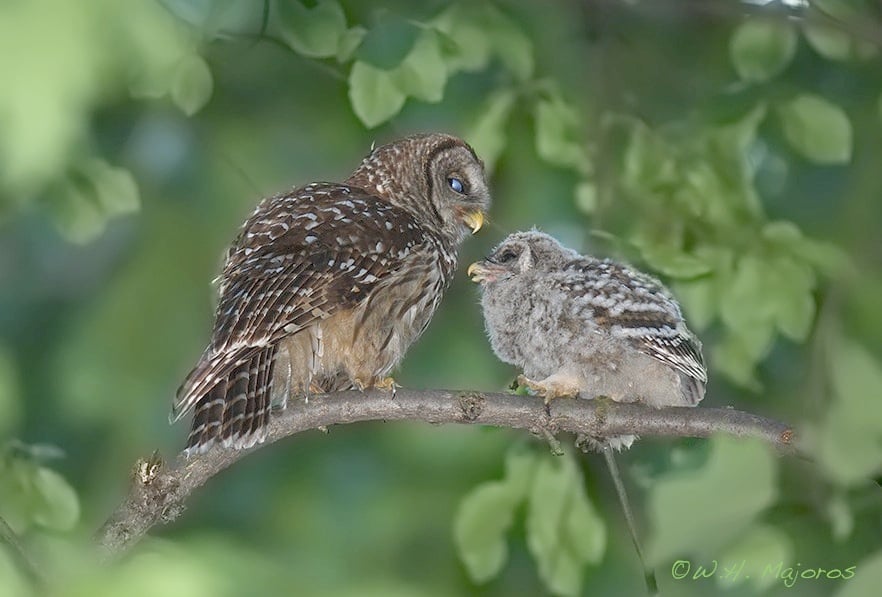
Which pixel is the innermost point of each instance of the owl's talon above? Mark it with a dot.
(387, 383)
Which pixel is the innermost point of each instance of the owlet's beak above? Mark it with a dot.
(473, 219)
(474, 269)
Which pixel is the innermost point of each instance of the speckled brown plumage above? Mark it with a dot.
(327, 285)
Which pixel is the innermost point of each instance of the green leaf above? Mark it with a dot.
(862, 579)
(485, 515)
(738, 479)
(192, 85)
(474, 32)
(558, 134)
(586, 197)
(841, 517)
(217, 18)
(564, 531)
(745, 309)
(761, 49)
(56, 505)
(488, 134)
(313, 32)
(673, 262)
(388, 42)
(481, 522)
(513, 47)
(750, 554)
(699, 300)
(10, 398)
(14, 583)
(349, 43)
(817, 129)
(423, 74)
(832, 44)
(93, 193)
(850, 437)
(373, 93)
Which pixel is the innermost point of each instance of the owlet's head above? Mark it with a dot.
(519, 254)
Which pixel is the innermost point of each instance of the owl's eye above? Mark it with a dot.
(456, 184)
(506, 256)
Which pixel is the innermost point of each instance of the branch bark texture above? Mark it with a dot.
(158, 493)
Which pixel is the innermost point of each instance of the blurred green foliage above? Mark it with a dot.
(730, 148)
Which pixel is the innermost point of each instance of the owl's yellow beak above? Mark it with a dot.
(474, 220)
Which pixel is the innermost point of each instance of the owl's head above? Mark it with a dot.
(435, 176)
(519, 254)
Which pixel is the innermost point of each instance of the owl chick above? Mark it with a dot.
(327, 285)
(580, 326)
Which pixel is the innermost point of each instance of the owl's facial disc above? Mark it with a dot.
(460, 192)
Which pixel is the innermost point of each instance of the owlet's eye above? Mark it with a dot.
(506, 256)
(456, 184)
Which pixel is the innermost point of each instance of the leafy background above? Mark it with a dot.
(731, 148)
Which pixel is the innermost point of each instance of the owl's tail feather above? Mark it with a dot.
(236, 410)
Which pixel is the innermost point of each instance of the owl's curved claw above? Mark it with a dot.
(387, 383)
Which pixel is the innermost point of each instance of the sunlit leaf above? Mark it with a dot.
(841, 517)
(817, 129)
(564, 531)
(558, 134)
(475, 32)
(350, 42)
(374, 95)
(488, 134)
(673, 262)
(14, 583)
(389, 41)
(850, 436)
(485, 515)
(422, 74)
(218, 18)
(314, 32)
(760, 49)
(56, 505)
(192, 85)
(479, 529)
(832, 44)
(738, 480)
(861, 579)
(747, 558)
(586, 197)
(93, 193)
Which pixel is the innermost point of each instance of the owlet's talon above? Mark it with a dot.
(550, 387)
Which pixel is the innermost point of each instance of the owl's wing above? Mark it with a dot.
(300, 258)
(636, 306)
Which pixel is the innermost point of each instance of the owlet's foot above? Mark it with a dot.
(553, 386)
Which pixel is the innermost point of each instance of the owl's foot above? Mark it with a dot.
(553, 386)
(387, 383)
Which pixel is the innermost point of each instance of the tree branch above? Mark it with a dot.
(158, 495)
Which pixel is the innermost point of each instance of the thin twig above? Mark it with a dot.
(158, 495)
(8, 535)
(648, 572)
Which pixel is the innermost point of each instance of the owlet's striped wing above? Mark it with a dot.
(636, 306)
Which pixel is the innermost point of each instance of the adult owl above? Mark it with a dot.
(327, 285)
(581, 326)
